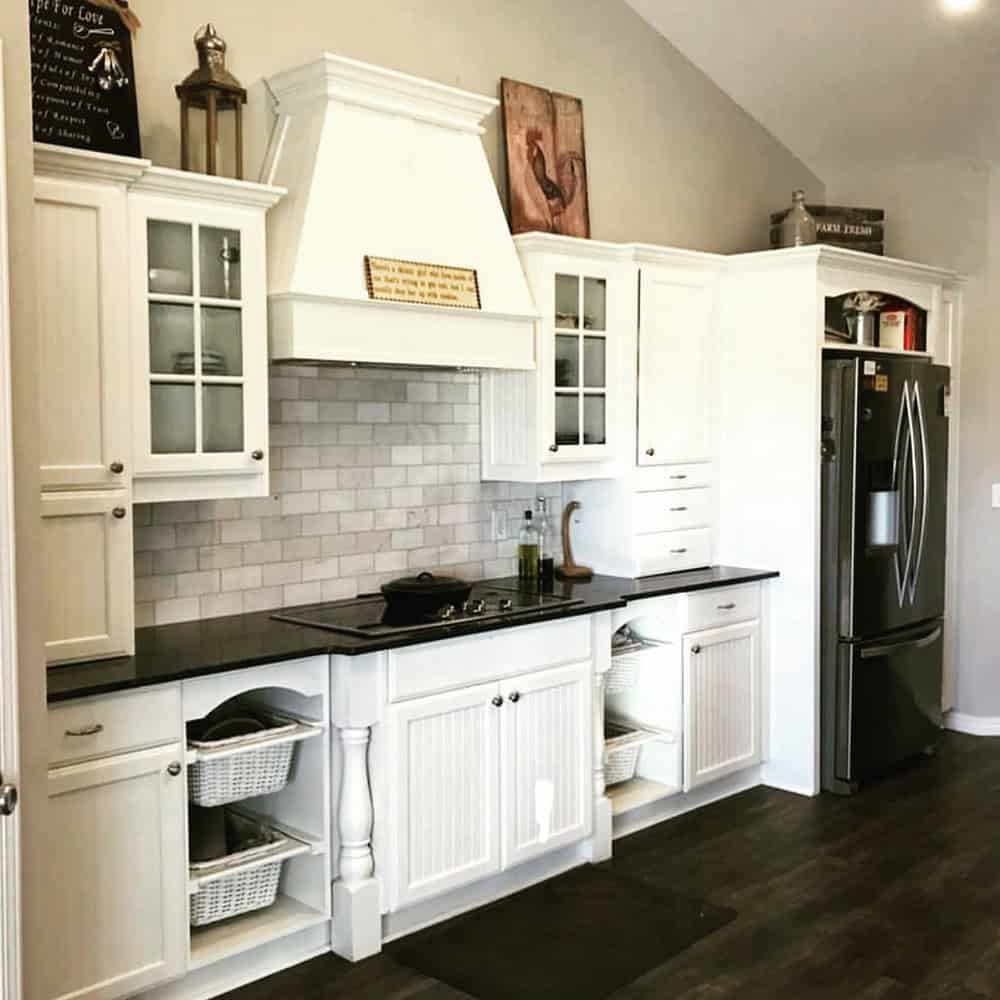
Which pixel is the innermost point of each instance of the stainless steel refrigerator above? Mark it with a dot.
(884, 476)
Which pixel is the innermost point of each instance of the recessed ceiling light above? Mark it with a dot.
(959, 6)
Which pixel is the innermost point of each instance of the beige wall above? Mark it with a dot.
(671, 159)
(948, 213)
(13, 31)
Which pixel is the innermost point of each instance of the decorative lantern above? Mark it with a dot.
(214, 89)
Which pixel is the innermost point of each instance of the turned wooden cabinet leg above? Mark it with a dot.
(354, 811)
(357, 916)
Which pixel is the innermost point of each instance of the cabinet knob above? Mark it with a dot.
(651, 452)
(514, 696)
(118, 512)
(174, 768)
(496, 701)
(257, 455)
(117, 468)
(696, 649)
(8, 799)
(553, 447)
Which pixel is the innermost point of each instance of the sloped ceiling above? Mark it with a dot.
(850, 80)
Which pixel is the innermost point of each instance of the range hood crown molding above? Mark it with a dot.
(378, 89)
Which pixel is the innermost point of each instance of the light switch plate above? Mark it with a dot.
(996, 494)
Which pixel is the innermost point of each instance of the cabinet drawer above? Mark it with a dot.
(671, 510)
(113, 723)
(668, 551)
(457, 663)
(718, 607)
(674, 477)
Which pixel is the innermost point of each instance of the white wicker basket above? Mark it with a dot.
(241, 882)
(243, 766)
(621, 753)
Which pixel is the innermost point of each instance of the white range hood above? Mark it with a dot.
(383, 164)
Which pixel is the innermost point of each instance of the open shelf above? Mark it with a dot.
(637, 792)
(833, 345)
(231, 937)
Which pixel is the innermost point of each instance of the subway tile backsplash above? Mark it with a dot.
(374, 474)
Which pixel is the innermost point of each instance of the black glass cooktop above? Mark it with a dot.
(365, 615)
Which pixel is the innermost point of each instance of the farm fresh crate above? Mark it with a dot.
(840, 226)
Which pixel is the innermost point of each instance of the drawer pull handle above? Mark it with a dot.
(117, 468)
(174, 769)
(725, 607)
(118, 512)
(678, 552)
(680, 475)
(677, 510)
(93, 730)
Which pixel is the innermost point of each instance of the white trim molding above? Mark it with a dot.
(973, 725)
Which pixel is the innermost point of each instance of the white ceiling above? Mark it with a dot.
(844, 80)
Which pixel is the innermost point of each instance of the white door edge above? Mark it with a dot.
(10, 924)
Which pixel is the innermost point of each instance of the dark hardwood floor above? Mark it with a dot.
(893, 894)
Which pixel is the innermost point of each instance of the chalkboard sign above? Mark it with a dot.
(83, 77)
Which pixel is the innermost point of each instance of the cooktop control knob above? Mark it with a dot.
(505, 604)
(448, 611)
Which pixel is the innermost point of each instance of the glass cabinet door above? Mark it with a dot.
(580, 358)
(196, 377)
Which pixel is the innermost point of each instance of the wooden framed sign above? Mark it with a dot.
(391, 280)
(82, 77)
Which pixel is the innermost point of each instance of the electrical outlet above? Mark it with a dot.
(498, 524)
(996, 494)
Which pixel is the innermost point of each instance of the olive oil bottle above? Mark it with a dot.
(527, 552)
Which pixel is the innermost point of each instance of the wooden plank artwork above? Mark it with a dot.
(546, 163)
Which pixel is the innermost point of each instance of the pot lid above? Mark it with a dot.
(423, 583)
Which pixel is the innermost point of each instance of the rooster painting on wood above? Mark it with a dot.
(546, 166)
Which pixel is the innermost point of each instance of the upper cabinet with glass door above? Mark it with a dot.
(199, 325)
(566, 420)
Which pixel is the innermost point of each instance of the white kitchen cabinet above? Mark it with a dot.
(675, 348)
(446, 758)
(567, 420)
(199, 328)
(546, 761)
(116, 914)
(722, 726)
(488, 777)
(82, 331)
(87, 560)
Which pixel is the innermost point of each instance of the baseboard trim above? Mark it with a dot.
(973, 725)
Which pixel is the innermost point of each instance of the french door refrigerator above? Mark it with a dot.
(884, 491)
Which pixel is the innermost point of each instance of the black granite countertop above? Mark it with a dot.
(168, 653)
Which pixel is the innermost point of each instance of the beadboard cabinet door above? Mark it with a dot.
(82, 328)
(117, 906)
(675, 389)
(87, 563)
(445, 752)
(721, 702)
(545, 754)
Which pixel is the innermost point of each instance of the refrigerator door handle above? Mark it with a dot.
(871, 652)
(924, 493)
(903, 463)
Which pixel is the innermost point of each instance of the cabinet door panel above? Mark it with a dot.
(546, 760)
(82, 332)
(674, 392)
(87, 561)
(721, 702)
(116, 911)
(446, 792)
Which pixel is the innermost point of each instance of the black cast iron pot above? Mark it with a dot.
(415, 598)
